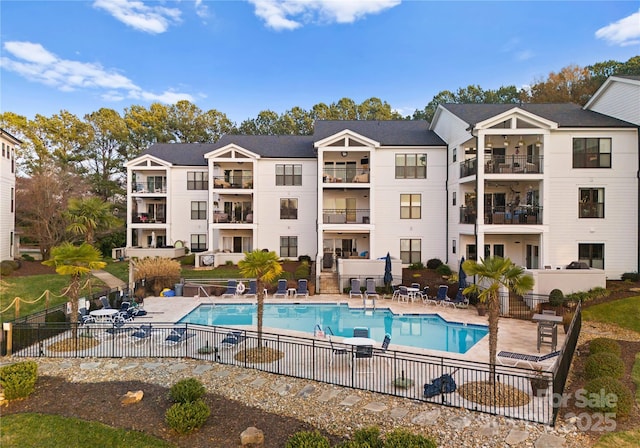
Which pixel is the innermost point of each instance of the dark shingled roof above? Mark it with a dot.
(185, 154)
(388, 133)
(272, 146)
(567, 115)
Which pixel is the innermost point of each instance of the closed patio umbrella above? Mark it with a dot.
(462, 280)
(388, 277)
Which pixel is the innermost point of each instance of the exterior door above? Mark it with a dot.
(532, 256)
(351, 209)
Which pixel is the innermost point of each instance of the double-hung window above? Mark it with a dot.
(592, 153)
(288, 174)
(288, 246)
(592, 254)
(198, 210)
(198, 242)
(410, 206)
(197, 180)
(411, 166)
(288, 208)
(410, 251)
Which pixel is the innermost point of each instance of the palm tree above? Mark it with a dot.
(265, 267)
(75, 261)
(89, 216)
(494, 273)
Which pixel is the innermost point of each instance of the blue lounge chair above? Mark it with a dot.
(105, 302)
(371, 292)
(177, 336)
(252, 291)
(142, 334)
(355, 289)
(441, 295)
(302, 289)
(232, 285)
(282, 289)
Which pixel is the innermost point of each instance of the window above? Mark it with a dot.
(592, 153)
(591, 203)
(198, 210)
(411, 166)
(592, 254)
(410, 206)
(453, 246)
(453, 198)
(288, 246)
(197, 180)
(410, 251)
(288, 174)
(198, 242)
(498, 250)
(3, 150)
(12, 199)
(454, 153)
(288, 209)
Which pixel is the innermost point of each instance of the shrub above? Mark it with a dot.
(368, 437)
(187, 390)
(556, 297)
(158, 272)
(18, 380)
(434, 263)
(306, 258)
(185, 417)
(580, 296)
(6, 267)
(416, 266)
(228, 263)
(602, 387)
(631, 276)
(599, 292)
(603, 364)
(604, 345)
(400, 438)
(443, 269)
(188, 260)
(307, 439)
(27, 257)
(302, 271)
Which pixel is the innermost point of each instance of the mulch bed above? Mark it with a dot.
(101, 402)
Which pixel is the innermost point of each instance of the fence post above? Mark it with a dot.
(6, 326)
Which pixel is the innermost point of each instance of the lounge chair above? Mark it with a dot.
(371, 292)
(282, 289)
(177, 336)
(460, 301)
(252, 291)
(355, 289)
(336, 351)
(441, 296)
(360, 332)
(530, 360)
(232, 285)
(302, 289)
(232, 339)
(142, 334)
(84, 316)
(119, 329)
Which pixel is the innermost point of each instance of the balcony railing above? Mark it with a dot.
(346, 175)
(467, 215)
(348, 216)
(144, 218)
(514, 215)
(520, 164)
(144, 187)
(469, 167)
(242, 182)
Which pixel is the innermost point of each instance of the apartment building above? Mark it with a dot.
(542, 184)
(7, 195)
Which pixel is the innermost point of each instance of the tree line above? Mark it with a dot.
(65, 157)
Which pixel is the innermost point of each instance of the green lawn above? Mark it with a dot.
(624, 312)
(35, 430)
(625, 439)
(219, 272)
(118, 268)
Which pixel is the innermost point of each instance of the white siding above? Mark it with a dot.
(621, 100)
(7, 185)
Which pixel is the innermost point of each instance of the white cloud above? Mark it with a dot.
(202, 10)
(137, 15)
(35, 63)
(292, 14)
(624, 32)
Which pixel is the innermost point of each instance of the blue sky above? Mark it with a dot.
(240, 57)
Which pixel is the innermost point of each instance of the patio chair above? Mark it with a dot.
(385, 345)
(252, 291)
(119, 329)
(282, 289)
(302, 289)
(371, 290)
(84, 316)
(355, 289)
(105, 302)
(460, 301)
(403, 294)
(142, 334)
(177, 337)
(530, 360)
(336, 351)
(232, 340)
(441, 295)
(231, 289)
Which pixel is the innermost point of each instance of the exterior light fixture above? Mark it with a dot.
(344, 153)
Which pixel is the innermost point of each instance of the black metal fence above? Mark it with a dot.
(391, 372)
(564, 363)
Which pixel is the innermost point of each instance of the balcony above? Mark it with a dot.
(346, 216)
(149, 187)
(145, 218)
(243, 181)
(356, 175)
(469, 167)
(468, 215)
(526, 214)
(517, 164)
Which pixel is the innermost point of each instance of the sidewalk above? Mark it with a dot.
(110, 280)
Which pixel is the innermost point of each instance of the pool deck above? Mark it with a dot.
(514, 335)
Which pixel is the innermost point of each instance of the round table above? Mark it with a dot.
(104, 314)
(359, 341)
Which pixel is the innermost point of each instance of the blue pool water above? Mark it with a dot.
(428, 331)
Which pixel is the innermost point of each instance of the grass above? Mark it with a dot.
(32, 430)
(219, 272)
(118, 268)
(635, 376)
(623, 313)
(625, 439)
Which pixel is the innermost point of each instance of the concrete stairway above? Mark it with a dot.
(329, 283)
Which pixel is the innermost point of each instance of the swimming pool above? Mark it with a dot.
(428, 331)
